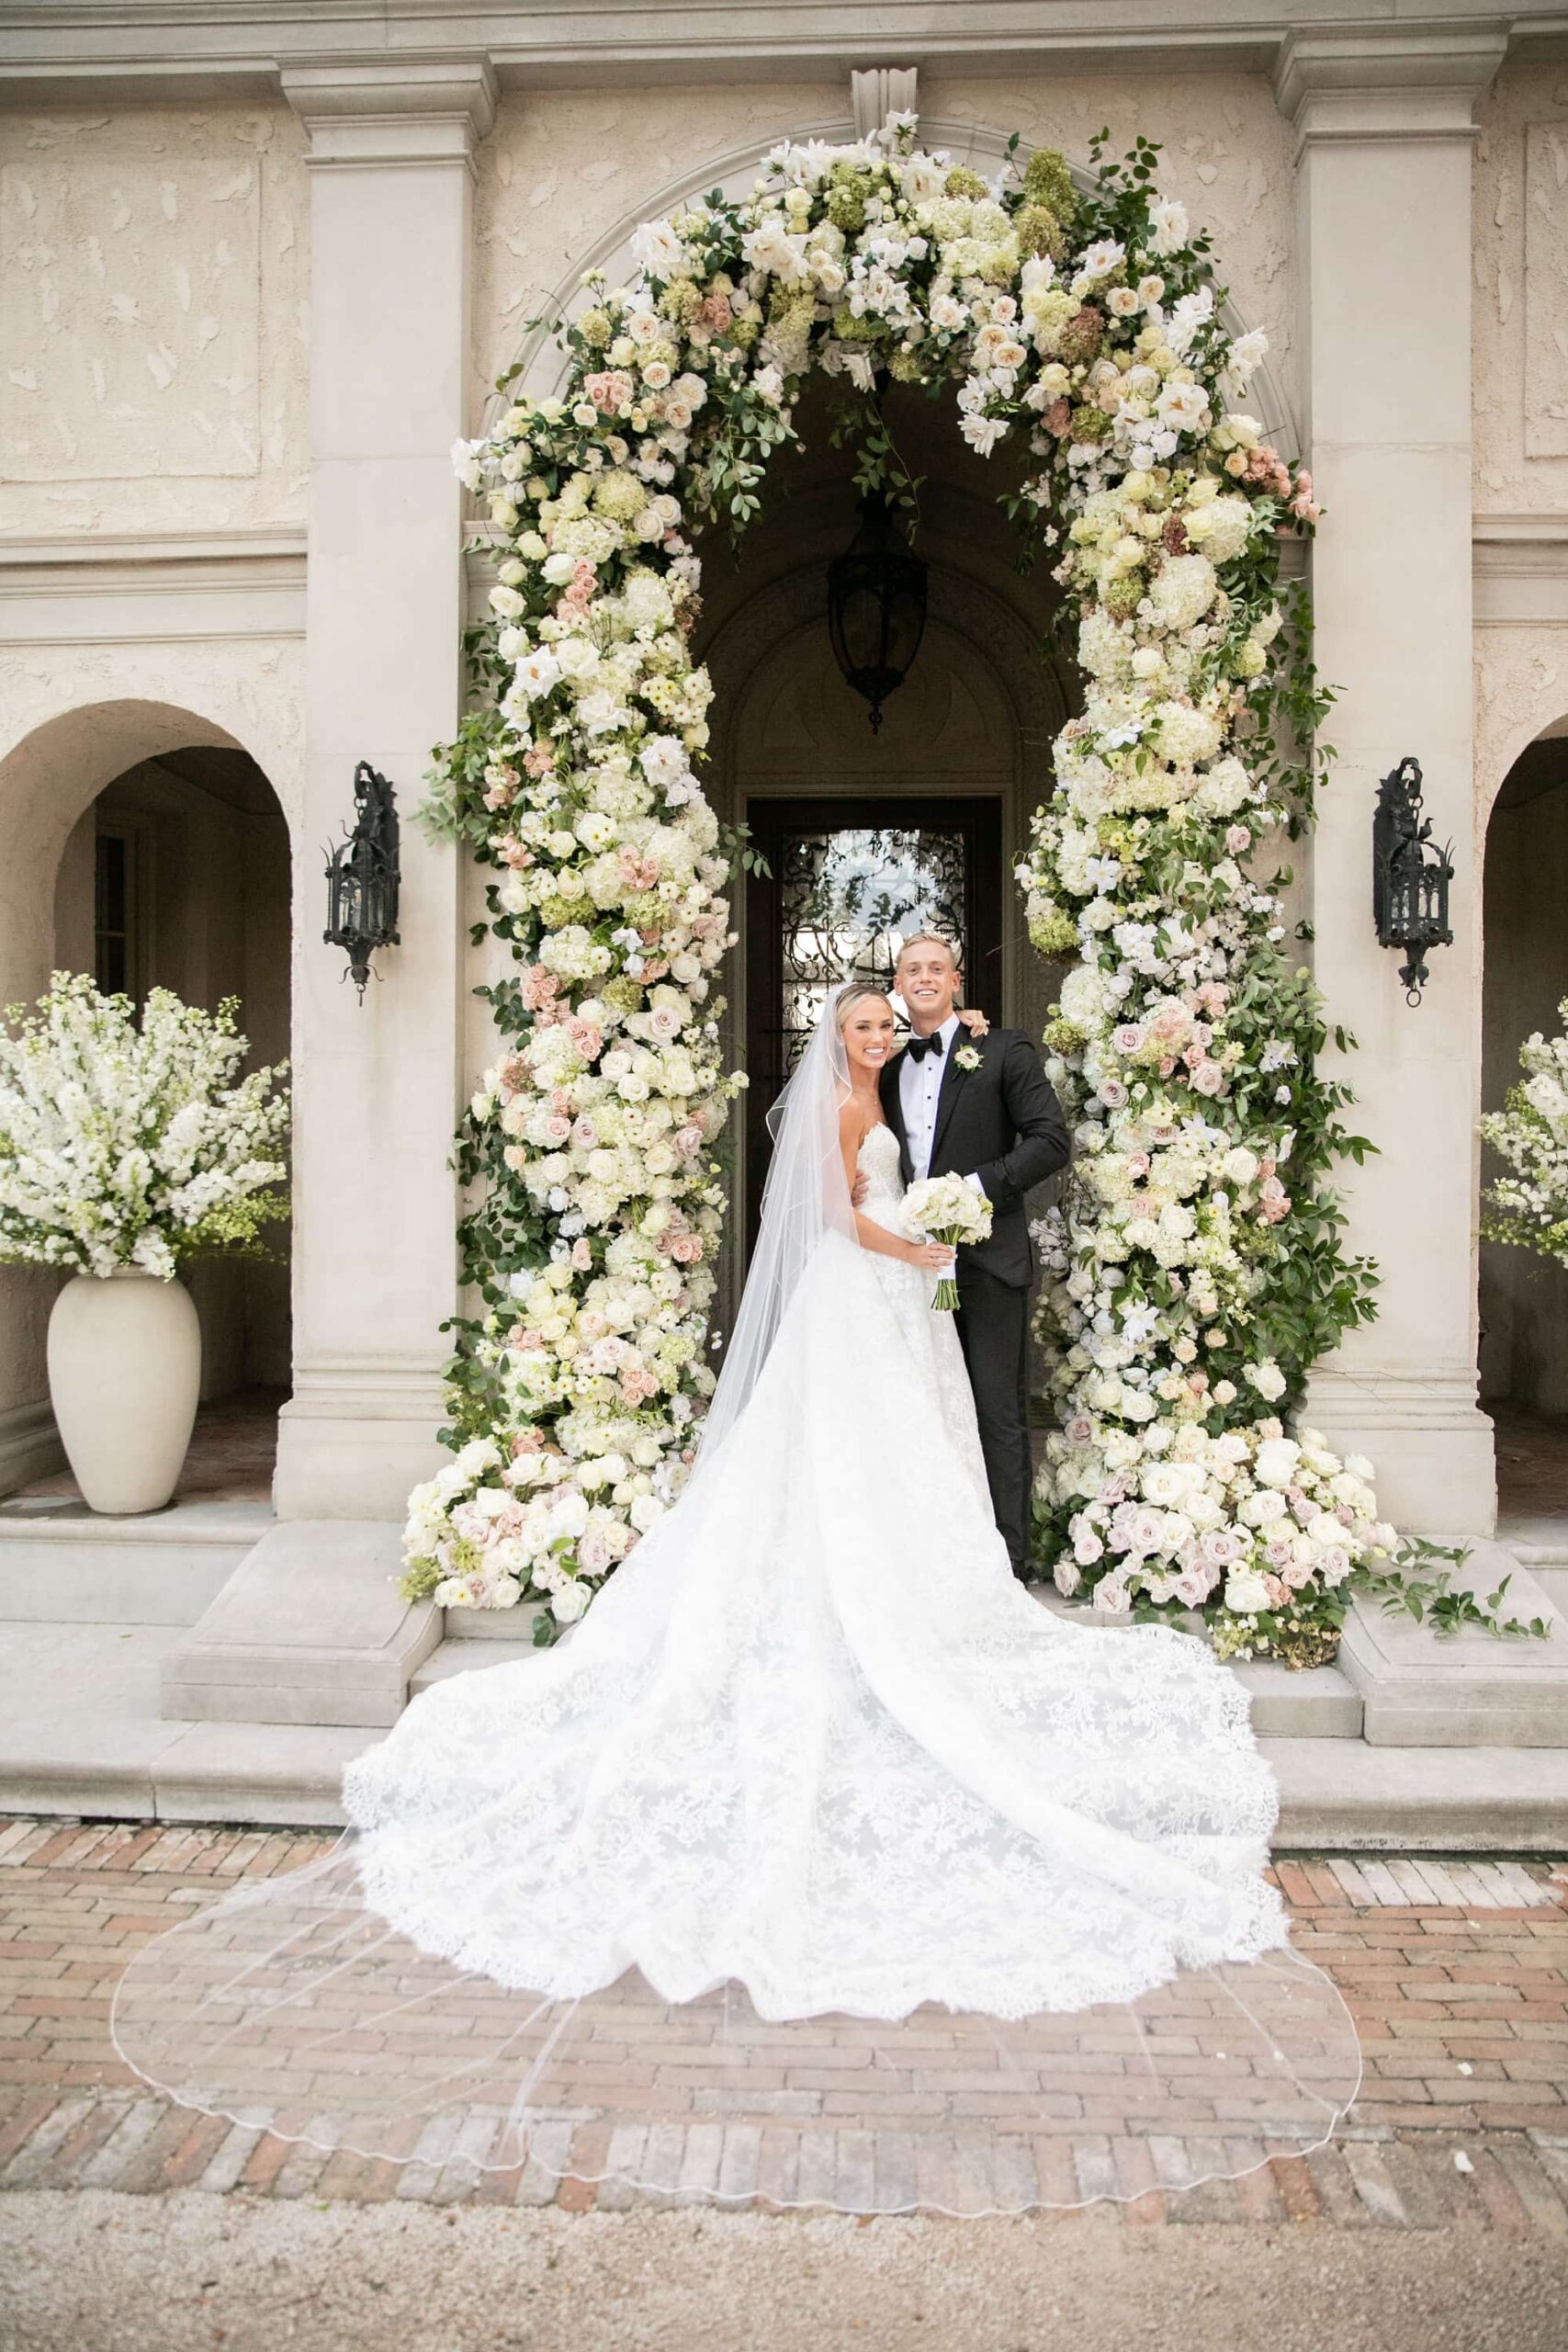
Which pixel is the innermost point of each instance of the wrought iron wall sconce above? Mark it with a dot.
(363, 877)
(1410, 876)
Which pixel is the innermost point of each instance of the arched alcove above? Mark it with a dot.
(148, 849)
(1523, 1297)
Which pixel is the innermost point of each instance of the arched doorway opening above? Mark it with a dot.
(1523, 1297)
(151, 851)
(868, 836)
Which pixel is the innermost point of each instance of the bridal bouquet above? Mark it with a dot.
(946, 1208)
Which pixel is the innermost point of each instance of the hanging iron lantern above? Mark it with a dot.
(363, 877)
(877, 607)
(1410, 876)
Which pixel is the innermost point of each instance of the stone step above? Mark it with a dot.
(1540, 1542)
(1309, 1702)
(311, 1630)
(81, 1732)
(62, 1563)
(1344, 1796)
(460, 1655)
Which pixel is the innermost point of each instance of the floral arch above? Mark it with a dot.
(1194, 1272)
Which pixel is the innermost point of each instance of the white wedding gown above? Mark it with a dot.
(813, 1749)
(815, 1737)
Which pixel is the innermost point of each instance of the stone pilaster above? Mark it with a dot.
(376, 1085)
(1385, 133)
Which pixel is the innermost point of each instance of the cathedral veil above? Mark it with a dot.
(804, 1199)
(782, 1751)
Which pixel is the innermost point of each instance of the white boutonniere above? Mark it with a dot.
(967, 1057)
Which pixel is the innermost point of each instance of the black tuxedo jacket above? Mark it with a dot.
(1000, 1122)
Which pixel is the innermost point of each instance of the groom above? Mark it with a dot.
(981, 1108)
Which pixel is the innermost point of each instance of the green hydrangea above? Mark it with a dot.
(1039, 231)
(620, 496)
(848, 190)
(961, 181)
(1052, 932)
(558, 910)
(1047, 181)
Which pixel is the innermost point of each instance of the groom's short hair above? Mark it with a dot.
(929, 939)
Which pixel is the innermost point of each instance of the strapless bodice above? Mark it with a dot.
(878, 1162)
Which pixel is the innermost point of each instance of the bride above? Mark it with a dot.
(813, 1751)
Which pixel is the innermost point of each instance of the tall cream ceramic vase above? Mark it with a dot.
(124, 1378)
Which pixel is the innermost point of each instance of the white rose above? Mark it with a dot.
(1276, 1461)
(569, 1603)
(1245, 1593)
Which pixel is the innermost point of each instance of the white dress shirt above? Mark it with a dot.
(920, 1087)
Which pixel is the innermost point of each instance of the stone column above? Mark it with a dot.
(1385, 135)
(377, 1084)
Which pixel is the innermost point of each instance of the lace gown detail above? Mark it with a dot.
(931, 1340)
(815, 1738)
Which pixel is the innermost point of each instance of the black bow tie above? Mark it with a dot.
(920, 1046)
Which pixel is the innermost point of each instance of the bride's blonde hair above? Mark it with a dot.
(856, 994)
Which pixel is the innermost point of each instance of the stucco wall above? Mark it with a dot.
(1520, 322)
(154, 278)
(561, 167)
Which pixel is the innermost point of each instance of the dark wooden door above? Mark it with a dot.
(847, 880)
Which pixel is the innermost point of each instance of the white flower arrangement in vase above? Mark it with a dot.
(126, 1148)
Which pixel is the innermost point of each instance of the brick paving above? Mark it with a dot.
(1456, 1972)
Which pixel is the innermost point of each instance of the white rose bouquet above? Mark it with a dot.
(946, 1208)
(123, 1144)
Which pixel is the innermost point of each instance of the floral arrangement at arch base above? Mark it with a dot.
(1195, 1270)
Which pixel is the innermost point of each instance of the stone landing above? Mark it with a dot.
(212, 1664)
